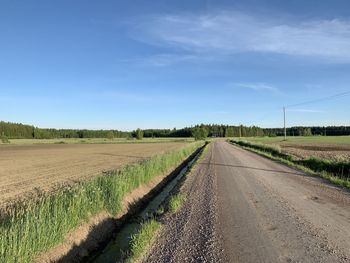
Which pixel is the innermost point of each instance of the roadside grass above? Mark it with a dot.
(312, 166)
(176, 202)
(273, 149)
(146, 235)
(339, 140)
(143, 239)
(28, 229)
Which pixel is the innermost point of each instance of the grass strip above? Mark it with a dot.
(176, 202)
(292, 163)
(148, 231)
(36, 226)
(143, 239)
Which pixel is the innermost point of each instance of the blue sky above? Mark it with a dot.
(165, 64)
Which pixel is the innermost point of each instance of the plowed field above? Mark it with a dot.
(25, 170)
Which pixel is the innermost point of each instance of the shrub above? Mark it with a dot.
(139, 134)
(4, 139)
(60, 142)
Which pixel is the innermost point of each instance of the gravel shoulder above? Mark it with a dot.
(242, 207)
(190, 234)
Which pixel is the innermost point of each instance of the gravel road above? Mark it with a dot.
(245, 208)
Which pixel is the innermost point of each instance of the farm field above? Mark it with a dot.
(24, 168)
(338, 140)
(325, 147)
(93, 141)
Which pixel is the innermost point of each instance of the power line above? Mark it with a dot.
(266, 115)
(321, 99)
(309, 102)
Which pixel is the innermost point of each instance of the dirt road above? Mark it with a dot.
(244, 208)
(23, 168)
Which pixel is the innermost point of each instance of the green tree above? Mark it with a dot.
(306, 132)
(199, 133)
(139, 134)
(229, 132)
(110, 135)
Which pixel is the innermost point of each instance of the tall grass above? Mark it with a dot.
(176, 201)
(27, 230)
(336, 168)
(143, 239)
(297, 140)
(275, 150)
(336, 171)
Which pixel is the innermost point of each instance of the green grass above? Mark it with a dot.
(302, 140)
(176, 201)
(337, 168)
(275, 150)
(93, 140)
(312, 166)
(143, 239)
(31, 228)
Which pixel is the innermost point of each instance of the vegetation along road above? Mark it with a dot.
(46, 166)
(242, 207)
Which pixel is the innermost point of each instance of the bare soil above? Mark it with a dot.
(323, 151)
(27, 170)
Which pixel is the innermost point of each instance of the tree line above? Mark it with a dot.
(23, 131)
(308, 131)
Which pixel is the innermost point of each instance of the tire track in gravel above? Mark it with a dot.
(190, 234)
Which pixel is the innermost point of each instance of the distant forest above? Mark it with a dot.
(22, 131)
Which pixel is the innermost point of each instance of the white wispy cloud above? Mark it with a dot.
(257, 86)
(227, 33)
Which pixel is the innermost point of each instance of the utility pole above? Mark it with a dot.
(284, 121)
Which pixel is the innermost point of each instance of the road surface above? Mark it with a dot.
(242, 207)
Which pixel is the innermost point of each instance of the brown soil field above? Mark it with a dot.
(324, 151)
(27, 170)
